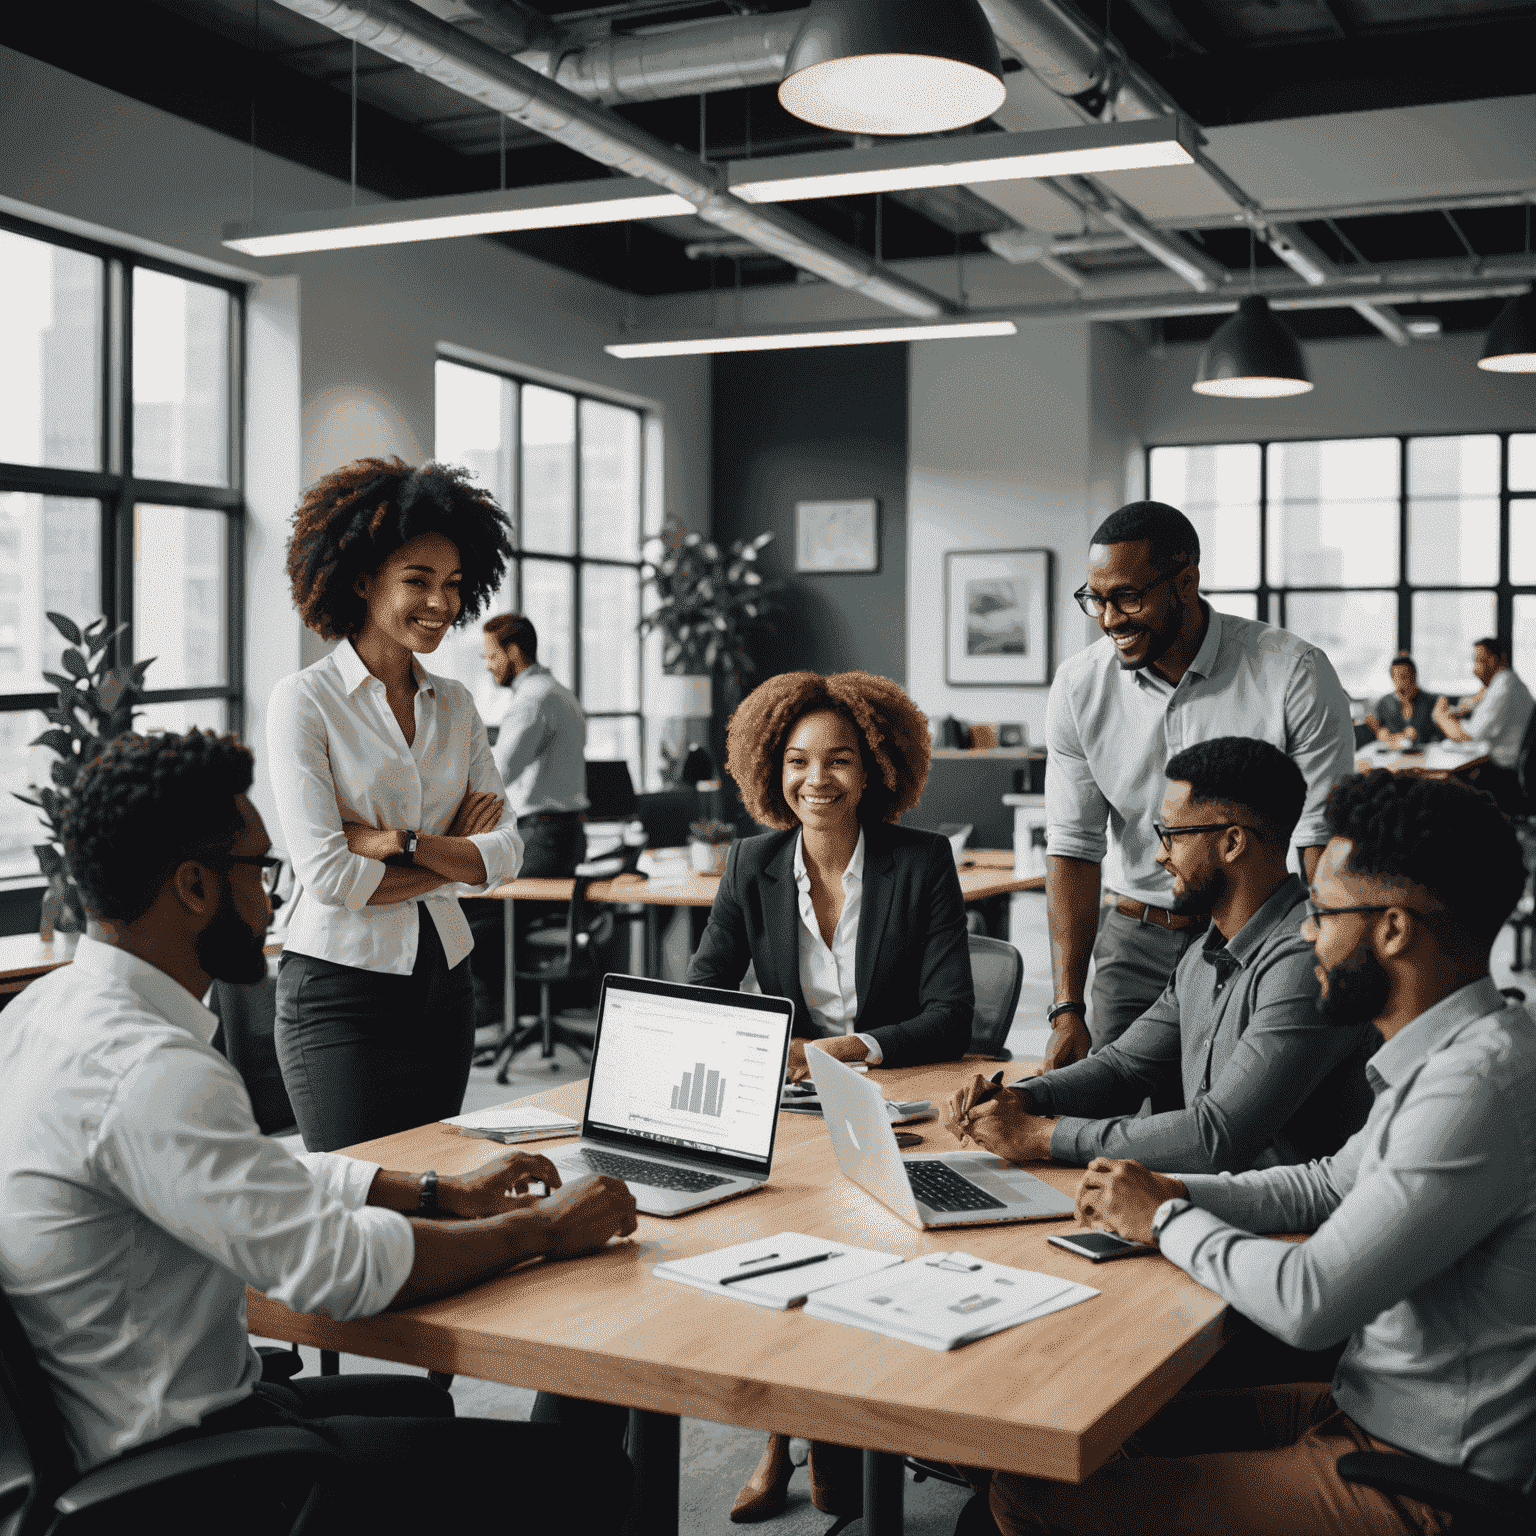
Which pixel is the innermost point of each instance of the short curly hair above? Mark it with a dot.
(1446, 836)
(145, 805)
(1242, 772)
(352, 521)
(892, 732)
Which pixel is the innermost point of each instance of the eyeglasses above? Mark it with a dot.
(1126, 599)
(269, 864)
(1167, 834)
(1315, 912)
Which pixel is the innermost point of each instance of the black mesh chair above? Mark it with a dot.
(1477, 1506)
(997, 973)
(256, 1482)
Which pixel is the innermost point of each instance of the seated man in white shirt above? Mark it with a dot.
(138, 1199)
(1498, 715)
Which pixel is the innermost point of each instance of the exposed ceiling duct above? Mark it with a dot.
(411, 36)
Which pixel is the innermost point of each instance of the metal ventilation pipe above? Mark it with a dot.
(409, 35)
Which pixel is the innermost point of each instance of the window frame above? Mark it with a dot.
(118, 491)
(1274, 612)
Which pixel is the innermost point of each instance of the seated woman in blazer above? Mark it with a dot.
(857, 921)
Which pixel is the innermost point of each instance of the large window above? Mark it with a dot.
(119, 489)
(572, 473)
(1369, 546)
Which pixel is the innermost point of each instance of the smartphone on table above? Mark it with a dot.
(1099, 1247)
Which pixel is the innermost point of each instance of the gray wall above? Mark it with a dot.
(828, 425)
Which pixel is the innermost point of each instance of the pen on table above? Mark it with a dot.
(778, 1269)
(760, 1259)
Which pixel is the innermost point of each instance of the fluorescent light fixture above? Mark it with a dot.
(982, 157)
(449, 218)
(777, 339)
(1423, 326)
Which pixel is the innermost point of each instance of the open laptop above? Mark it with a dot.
(952, 1189)
(683, 1096)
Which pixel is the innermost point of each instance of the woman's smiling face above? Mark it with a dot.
(413, 598)
(824, 774)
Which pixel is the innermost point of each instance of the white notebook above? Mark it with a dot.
(946, 1299)
(514, 1122)
(757, 1261)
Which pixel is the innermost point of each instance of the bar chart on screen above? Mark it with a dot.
(700, 1092)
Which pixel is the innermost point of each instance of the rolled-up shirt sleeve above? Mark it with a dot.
(298, 761)
(179, 1143)
(502, 848)
(1076, 810)
(1320, 740)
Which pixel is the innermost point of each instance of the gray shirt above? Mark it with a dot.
(1236, 1035)
(1110, 732)
(1502, 716)
(541, 747)
(1423, 1245)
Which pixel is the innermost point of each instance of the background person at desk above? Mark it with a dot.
(1170, 671)
(1422, 1250)
(1236, 1039)
(138, 1198)
(1406, 716)
(389, 801)
(1498, 715)
(859, 922)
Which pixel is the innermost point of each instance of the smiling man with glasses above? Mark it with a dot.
(1170, 672)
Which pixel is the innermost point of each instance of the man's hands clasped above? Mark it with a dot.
(1118, 1195)
(999, 1121)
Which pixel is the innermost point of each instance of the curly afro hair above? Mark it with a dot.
(1443, 835)
(1241, 772)
(144, 806)
(353, 520)
(892, 732)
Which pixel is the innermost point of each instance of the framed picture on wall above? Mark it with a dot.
(997, 618)
(837, 536)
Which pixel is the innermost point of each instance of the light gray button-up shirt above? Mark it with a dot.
(1110, 733)
(541, 747)
(1423, 1245)
(1502, 716)
(1264, 1080)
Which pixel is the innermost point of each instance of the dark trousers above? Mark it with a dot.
(412, 1467)
(551, 851)
(365, 1054)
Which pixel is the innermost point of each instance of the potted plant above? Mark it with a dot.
(709, 845)
(95, 704)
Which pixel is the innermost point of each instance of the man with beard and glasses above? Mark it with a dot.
(1235, 1042)
(1170, 671)
(1422, 1229)
(138, 1199)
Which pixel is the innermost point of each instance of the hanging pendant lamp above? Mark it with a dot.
(1253, 356)
(1511, 344)
(893, 66)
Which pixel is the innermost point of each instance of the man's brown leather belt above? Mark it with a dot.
(1158, 917)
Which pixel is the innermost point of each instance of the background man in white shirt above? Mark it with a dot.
(1498, 714)
(138, 1198)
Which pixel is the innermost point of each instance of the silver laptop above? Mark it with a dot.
(683, 1096)
(952, 1189)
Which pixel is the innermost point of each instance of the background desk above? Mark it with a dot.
(24, 957)
(1053, 1398)
(1440, 760)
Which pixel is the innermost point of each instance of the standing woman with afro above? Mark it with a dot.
(389, 799)
(858, 921)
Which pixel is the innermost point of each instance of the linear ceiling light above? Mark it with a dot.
(982, 157)
(448, 218)
(1511, 344)
(1253, 356)
(779, 340)
(893, 66)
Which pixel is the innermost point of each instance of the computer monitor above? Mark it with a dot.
(610, 791)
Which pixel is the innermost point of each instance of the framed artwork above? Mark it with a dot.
(998, 605)
(837, 536)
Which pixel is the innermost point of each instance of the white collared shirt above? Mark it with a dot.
(541, 744)
(1501, 717)
(138, 1199)
(827, 974)
(335, 752)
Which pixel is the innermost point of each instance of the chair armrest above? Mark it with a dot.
(1462, 1494)
(269, 1454)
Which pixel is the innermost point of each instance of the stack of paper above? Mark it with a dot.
(514, 1122)
(945, 1299)
(802, 1099)
(779, 1271)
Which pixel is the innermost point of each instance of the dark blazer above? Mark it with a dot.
(912, 966)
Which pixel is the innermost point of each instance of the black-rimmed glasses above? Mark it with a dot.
(1315, 912)
(1166, 835)
(1126, 599)
(270, 865)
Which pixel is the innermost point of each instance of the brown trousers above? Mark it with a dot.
(1258, 1462)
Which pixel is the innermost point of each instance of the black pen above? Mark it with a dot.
(778, 1269)
(989, 1090)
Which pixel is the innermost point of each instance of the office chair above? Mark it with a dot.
(255, 1481)
(1523, 918)
(1478, 1507)
(997, 973)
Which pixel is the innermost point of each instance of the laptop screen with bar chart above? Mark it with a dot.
(689, 1070)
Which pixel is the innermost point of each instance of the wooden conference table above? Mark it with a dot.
(1439, 760)
(1053, 1398)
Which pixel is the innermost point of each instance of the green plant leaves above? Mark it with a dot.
(75, 663)
(66, 627)
(59, 741)
(49, 859)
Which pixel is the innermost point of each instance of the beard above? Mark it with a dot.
(1358, 988)
(1199, 900)
(1159, 640)
(227, 949)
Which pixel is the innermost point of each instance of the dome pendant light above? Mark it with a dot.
(1511, 344)
(893, 66)
(1252, 357)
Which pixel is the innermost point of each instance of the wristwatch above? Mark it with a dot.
(1164, 1214)
(427, 1205)
(1080, 1009)
(407, 855)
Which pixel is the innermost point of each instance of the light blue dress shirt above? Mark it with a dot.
(541, 745)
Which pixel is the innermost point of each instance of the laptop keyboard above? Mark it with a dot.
(940, 1188)
(635, 1170)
